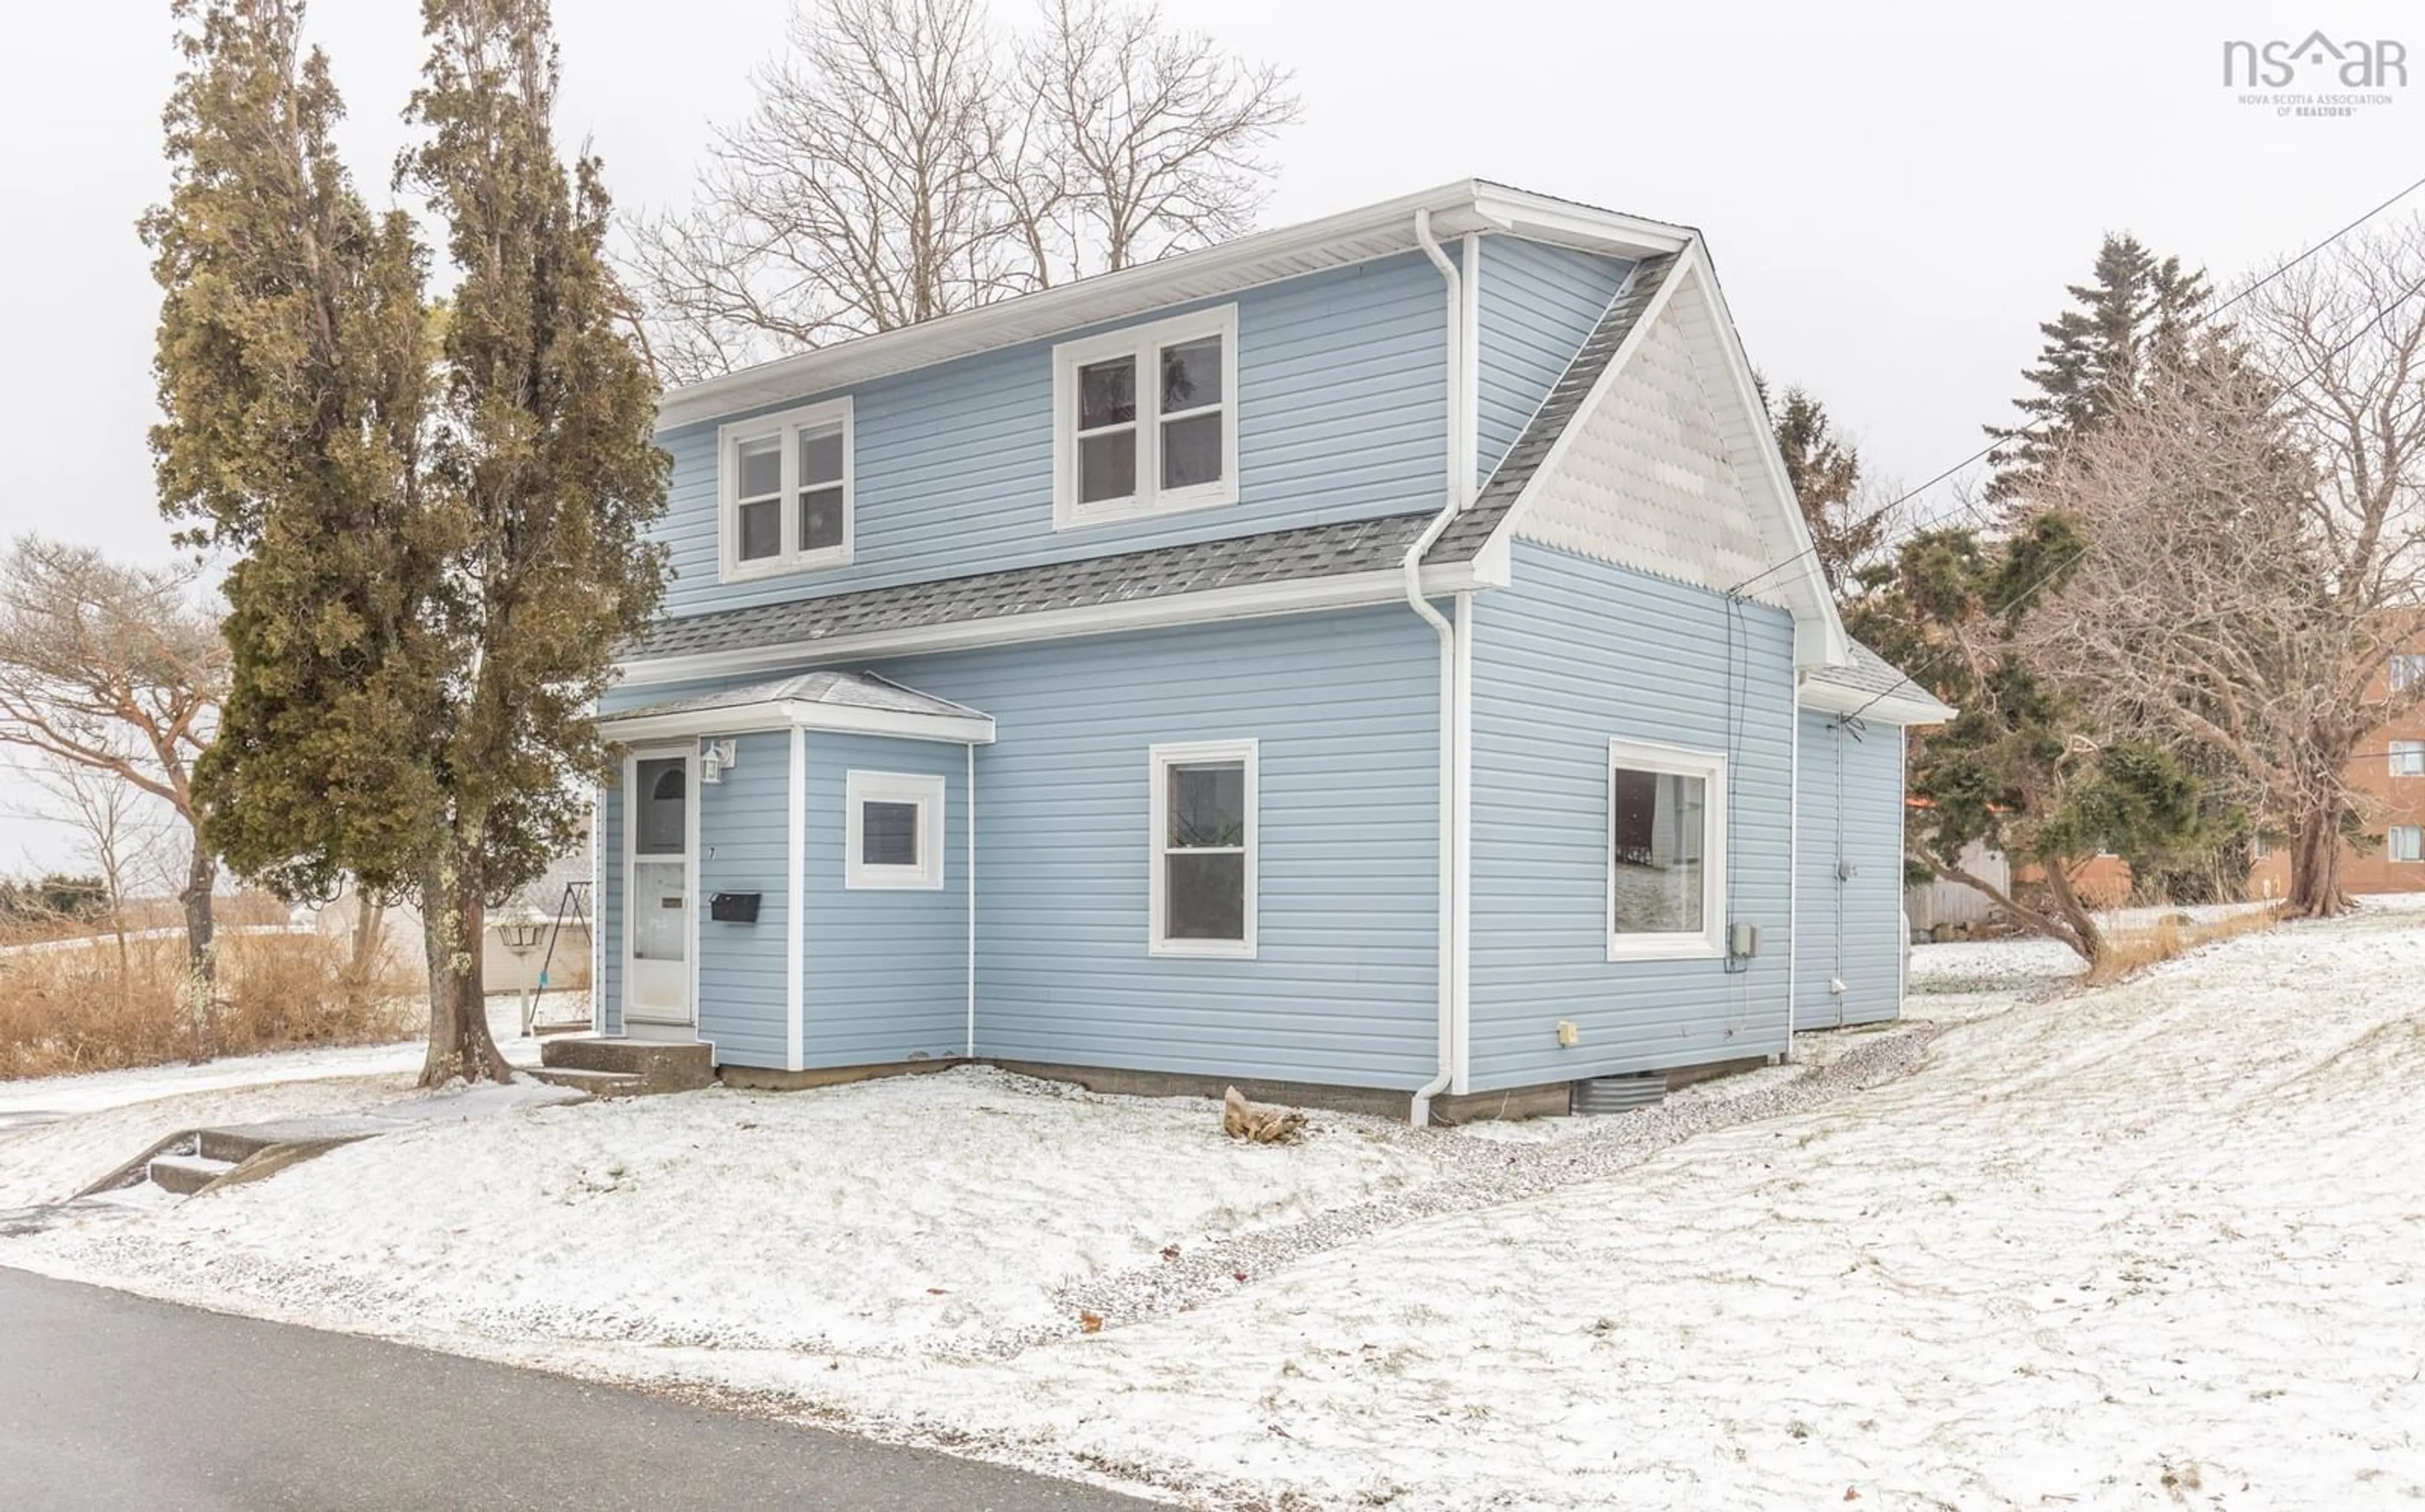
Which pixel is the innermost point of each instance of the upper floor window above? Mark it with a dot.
(2408, 758)
(2407, 671)
(785, 481)
(2407, 842)
(1145, 419)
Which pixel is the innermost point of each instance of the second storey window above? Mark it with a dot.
(1145, 419)
(2408, 758)
(785, 481)
(2407, 671)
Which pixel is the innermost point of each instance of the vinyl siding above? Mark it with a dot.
(1849, 891)
(1574, 654)
(1538, 303)
(1345, 707)
(744, 997)
(1341, 411)
(610, 909)
(888, 975)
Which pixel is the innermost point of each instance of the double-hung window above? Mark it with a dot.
(787, 490)
(1206, 836)
(1145, 419)
(895, 830)
(2407, 671)
(2408, 758)
(1666, 852)
(2405, 842)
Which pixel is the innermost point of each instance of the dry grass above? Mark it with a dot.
(84, 1007)
(2134, 947)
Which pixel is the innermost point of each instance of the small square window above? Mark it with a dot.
(895, 829)
(786, 481)
(1205, 841)
(2406, 842)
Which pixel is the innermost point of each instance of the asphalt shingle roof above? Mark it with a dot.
(1302, 552)
(1870, 673)
(852, 690)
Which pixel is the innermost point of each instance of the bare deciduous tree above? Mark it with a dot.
(904, 161)
(116, 669)
(2256, 544)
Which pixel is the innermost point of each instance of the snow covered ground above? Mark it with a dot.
(2155, 1245)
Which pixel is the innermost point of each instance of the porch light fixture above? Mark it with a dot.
(720, 757)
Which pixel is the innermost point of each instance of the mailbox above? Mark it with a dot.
(733, 908)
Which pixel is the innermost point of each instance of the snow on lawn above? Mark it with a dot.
(2155, 1245)
(914, 1212)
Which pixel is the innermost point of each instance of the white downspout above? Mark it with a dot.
(973, 901)
(1794, 871)
(1459, 486)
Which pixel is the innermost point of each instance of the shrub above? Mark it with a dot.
(97, 1003)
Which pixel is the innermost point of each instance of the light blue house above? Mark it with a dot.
(1376, 658)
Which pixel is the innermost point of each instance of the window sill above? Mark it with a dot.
(1203, 950)
(1122, 512)
(1664, 947)
(861, 882)
(783, 566)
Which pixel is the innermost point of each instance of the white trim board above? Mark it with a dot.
(1295, 595)
(798, 713)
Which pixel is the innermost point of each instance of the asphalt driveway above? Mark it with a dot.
(108, 1400)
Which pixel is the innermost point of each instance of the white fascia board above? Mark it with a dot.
(1819, 636)
(1352, 236)
(1910, 705)
(1251, 601)
(789, 713)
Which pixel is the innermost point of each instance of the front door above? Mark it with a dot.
(657, 917)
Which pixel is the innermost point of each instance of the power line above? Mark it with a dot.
(2199, 319)
(2056, 569)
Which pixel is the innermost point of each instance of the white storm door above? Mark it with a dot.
(660, 829)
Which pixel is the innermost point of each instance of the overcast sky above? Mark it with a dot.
(1895, 194)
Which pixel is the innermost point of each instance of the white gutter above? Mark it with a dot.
(1460, 486)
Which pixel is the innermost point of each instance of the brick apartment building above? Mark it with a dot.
(2388, 768)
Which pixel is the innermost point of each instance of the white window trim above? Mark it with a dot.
(863, 787)
(1707, 942)
(2408, 749)
(2389, 850)
(787, 427)
(1162, 758)
(1142, 343)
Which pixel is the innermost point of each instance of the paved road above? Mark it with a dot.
(112, 1401)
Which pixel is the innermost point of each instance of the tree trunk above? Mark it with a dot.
(2088, 941)
(370, 939)
(202, 948)
(453, 917)
(2316, 863)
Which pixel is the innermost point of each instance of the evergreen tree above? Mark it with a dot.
(1825, 473)
(2020, 768)
(440, 522)
(2130, 321)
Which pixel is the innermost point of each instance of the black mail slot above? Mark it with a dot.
(733, 908)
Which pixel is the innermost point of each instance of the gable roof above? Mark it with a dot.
(1357, 236)
(1872, 687)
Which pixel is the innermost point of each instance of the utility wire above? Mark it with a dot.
(2197, 320)
(2056, 569)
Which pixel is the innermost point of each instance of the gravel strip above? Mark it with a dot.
(1477, 1172)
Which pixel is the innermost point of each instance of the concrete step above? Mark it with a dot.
(187, 1174)
(596, 1083)
(661, 1068)
(232, 1145)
